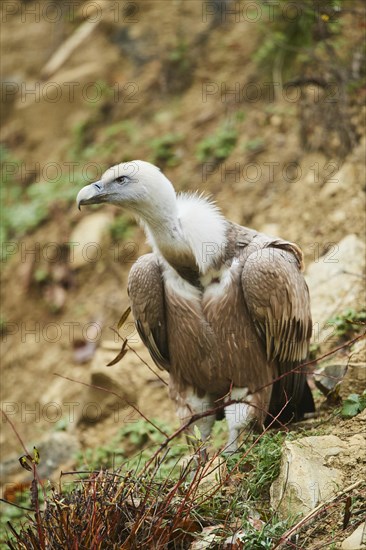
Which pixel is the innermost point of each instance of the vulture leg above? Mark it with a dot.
(189, 404)
(239, 416)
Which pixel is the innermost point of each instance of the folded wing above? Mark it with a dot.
(146, 292)
(278, 301)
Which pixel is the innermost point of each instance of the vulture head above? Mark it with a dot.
(178, 226)
(138, 186)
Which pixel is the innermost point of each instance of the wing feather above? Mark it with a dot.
(278, 300)
(146, 293)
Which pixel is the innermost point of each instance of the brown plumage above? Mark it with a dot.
(224, 309)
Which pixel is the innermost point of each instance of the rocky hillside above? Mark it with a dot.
(260, 106)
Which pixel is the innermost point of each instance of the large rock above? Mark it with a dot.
(129, 385)
(306, 479)
(57, 451)
(349, 172)
(314, 469)
(87, 238)
(118, 381)
(336, 283)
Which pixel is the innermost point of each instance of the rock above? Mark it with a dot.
(131, 380)
(359, 352)
(56, 450)
(271, 229)
(207, 537)
(275, 121)
(213, 474)
(86, 239)
(118, 381)
(354, 380)
(328, 377)
(343, 375)
(305, 477)
(357, 540)
(338, 217)
(335, 282)
(356, 449)
(340, 180)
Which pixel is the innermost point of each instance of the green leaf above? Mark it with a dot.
(24, 462)
(36, 456)
(351, 406)
(197, 432)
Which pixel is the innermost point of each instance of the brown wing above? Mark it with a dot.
(278, 301)
(146, 292)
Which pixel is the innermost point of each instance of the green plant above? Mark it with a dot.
(85, 147)
(164, 149)
(141, 432)
(13, 514)
(135, 444)
(179, 54)
(25, 208)
(295, 35)
(347, 323)
(255, 145)
(217, 147)
(178, 66)
(353, 405)
(261, 463)
(120, 228)
(261, 538)
(314, 349)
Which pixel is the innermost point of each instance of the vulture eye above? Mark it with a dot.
(122, 179)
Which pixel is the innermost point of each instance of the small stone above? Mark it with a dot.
(329, 376)
(357, 540)
(338, 216)
(275, 121)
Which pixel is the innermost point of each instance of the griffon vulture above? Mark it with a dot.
(224, 309)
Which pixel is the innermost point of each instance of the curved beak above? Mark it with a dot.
(90, 194)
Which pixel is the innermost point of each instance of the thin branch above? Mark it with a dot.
(34, 486)
(16, 432)
(17, 505)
